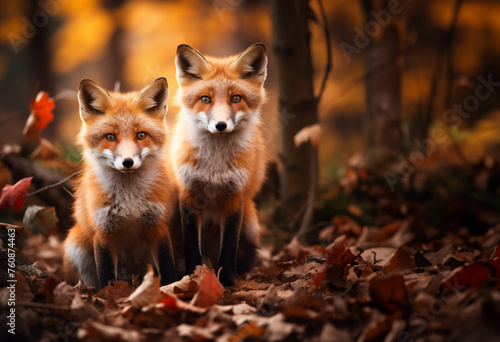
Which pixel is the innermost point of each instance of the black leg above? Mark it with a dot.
(227, 258)
(192, 247)
(104, 265)
(166, 261)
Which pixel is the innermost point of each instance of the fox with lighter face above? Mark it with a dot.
(218, 154)
(124, 196)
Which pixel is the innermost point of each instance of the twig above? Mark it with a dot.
(328, 51)
(19, 230)
(50, 186)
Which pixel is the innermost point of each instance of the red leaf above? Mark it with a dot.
(334, 254)
(210, 291)
(41, 114)
(469, 276)
(12, 195)
(169, 302)
(495, 260)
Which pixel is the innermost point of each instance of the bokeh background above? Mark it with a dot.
(52, 44)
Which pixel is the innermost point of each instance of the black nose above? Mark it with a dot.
(128, 162)
(221, 125)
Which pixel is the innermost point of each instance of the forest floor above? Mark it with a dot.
(386, 276)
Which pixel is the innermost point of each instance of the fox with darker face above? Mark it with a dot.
(124, 196)
(219, 156)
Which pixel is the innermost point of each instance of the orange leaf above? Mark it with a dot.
(41, 114)
(210, 291)
(388, 292)
(12, 195)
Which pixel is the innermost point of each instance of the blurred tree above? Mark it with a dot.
(297, 104)
(382, 124)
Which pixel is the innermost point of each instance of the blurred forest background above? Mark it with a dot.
(402, 92)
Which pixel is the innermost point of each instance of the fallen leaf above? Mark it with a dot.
(169, 303)
(184, 288)
(378, 256)
(401, 262)
(63, 294)
(40, 220)
(148, 292)
(41, 114)
(474, 275)
(309, 133)
(119, 290)
(388, 292)
(12, 195)
(210, 291)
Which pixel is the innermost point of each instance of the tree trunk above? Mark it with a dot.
(297, 103)
(382, 123)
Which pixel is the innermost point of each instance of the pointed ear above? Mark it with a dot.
(190, 64)
(93, 100)
(252, 63)
(153, 98)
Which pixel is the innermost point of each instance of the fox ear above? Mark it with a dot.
(153, 98)
(252, 63)
(190, 64)
(93, 99)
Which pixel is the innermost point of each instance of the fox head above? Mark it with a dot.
(121, 130)
(221, 94)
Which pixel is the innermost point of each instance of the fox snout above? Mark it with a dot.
(221, 120)
(127, 157)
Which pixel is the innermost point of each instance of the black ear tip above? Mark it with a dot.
(261, 45)
(161, 79)
(183, 46)
(86, 80)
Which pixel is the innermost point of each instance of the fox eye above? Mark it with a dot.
(205, 99)
(141, 135)
(236, 99)
(110, 137)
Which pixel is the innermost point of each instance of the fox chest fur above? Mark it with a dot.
(126, 202)
(214, 168)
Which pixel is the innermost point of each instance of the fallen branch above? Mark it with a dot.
(50, 186)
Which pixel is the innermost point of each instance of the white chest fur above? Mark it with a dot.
(216, 165)
(128, 199)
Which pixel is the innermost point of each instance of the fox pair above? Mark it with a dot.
(144, 189)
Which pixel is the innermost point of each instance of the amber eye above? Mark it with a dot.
(236, 99)
(205, 100)
(110, 137)
(141, 135)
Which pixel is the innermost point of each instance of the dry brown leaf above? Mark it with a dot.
(63, 294)
(148, 292)
(309, 133)
(401, 262)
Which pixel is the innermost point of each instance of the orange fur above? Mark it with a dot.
(213, 191)
(122, 209)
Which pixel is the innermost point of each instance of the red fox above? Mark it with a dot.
(218, 154)
(124, 196)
